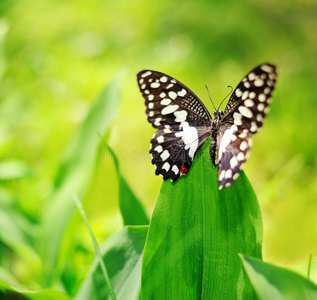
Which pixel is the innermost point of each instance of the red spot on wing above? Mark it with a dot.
(183, 170)
(219, 171)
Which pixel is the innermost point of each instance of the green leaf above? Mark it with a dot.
(131, 209)
(8, 293)
(195, 235)
(271, 282)
(122, 254)
(75, 174)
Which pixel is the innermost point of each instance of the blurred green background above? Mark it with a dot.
(56, 57)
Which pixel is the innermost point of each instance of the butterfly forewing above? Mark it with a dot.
(182, 120)
(168, 101)
(249, 102)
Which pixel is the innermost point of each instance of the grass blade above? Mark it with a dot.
(195, 235)
(98, 253)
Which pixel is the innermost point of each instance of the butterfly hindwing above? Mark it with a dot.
(174, 149)
(233, 151)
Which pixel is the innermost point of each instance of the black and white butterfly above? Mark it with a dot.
(183, 123)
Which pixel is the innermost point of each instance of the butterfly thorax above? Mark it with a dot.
(218, 114)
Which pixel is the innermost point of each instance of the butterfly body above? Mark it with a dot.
(183, 123)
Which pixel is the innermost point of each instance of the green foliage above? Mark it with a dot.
(195, 235)
(122, 253)
(271, 282)
(75, 175)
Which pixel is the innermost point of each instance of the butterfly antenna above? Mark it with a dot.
(210, 97)
(229, 86)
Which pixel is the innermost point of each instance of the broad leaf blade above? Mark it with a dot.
(195, 235)
(122, 254)
(131, 209)
(75, 174)
(271, 282)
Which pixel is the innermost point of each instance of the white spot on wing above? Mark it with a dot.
(245, 95)
(267, 68)
(169, 109)
(155, 85)
(150, 97)
(259, 82)
(175, 169)
(228, 174)
(158, 149)
(259, 117)
(237, 118)
(151, 105)
(157, 122)
(267, 90)
(233, 162)
(262, 97)
(247, 84)
(166, 166)
(180, 115)
(254, 127)
(165, 155)
(166, 101)
(182, 93)
(252, 95)
(246, 112)
(248, 103)
(162, 95)
(163, 79)
(146, 74)
(251, 76)
(238, 93)
(243, 145)
(261, 106)
(172, 95)
(240, 156)
(160, 139)
(235, 176)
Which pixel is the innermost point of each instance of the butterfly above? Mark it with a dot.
(183, 123)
